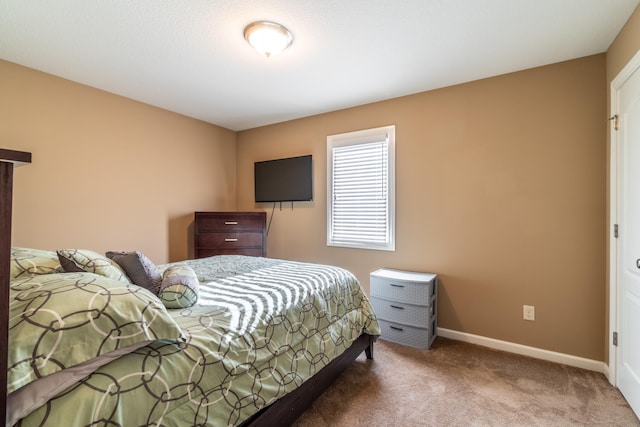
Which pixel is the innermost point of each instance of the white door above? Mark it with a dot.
(628, 246)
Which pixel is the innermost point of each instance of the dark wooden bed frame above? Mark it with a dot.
(8, 160)
(282, 413)
(287, 409)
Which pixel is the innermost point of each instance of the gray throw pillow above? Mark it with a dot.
(140, 269)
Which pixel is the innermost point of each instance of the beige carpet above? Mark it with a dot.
(459, 384)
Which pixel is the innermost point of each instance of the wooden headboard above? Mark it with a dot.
(8, 160)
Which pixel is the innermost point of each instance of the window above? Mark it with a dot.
(361, 189)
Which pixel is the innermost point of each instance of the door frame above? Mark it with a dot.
(616, 84)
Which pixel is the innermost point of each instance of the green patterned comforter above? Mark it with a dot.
(260, 328)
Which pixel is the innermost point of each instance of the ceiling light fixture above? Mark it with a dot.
(268, 38)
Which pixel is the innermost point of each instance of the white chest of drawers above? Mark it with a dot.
(405, 303)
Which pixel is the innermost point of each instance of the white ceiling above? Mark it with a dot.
(189, 56)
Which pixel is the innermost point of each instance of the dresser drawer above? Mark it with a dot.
(229, 240)
(407, 286)
(401, 312)
(229, 222)
(408, 335)
(203, 252)
(400, 290)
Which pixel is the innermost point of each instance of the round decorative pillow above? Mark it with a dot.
(179, 288)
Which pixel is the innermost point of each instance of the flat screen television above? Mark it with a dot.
(284, 180)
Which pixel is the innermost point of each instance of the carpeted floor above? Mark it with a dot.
(460, 384)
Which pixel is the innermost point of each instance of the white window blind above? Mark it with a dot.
(360, 189)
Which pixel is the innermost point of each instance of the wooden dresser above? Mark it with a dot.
(230, 233)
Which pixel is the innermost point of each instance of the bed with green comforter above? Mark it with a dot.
(216, 341)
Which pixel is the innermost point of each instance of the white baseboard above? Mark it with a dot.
(607, 374)
(537, 353)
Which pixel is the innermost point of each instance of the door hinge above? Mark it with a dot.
(615, 230)
(615, 121)
(615, 339)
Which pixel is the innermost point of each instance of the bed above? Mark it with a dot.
(221, 341)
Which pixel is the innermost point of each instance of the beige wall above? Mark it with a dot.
(625, 46)
(109, 173)
(500, 188)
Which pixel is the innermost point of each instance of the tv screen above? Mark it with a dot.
(284, 180)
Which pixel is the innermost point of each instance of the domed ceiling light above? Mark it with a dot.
(268, 38)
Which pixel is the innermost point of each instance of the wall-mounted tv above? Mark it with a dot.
(284, 180)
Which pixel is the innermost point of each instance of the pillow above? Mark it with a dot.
(179, 287)
(61, 320)
(140, 269)
(27, 399)
(27, 262)
(79, 260)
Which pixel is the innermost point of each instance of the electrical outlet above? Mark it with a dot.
(528, 312)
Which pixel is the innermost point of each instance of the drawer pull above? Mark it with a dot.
(396, 286)
(230, 240)
(231, 223)
(396, 328)
(396, 306)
